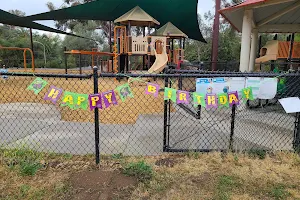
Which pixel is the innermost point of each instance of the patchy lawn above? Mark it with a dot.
(31, 175)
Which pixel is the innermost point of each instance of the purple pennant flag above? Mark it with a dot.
(183, 97)
(109, 98)
(95, 101)
(53, 94)
(233, 98)
(152, 89)
(211, 101)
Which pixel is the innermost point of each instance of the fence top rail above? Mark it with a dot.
(112, 75)
(82, 76)
(203, 71)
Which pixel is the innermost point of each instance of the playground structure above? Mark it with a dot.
(276, 50)
(24, 55)
(156, 49)
(95, 55)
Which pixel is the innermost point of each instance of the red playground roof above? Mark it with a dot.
(246, 3)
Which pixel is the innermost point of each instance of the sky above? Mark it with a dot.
(31, 7)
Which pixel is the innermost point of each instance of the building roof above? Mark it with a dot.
(137, 17)
(181, 13)
(269, 16)
(170, 30)
(11, 19)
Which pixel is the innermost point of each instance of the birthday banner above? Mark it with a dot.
(210, 93)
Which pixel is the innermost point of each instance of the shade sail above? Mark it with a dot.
(182, 13)
(269, 16)
(11, 19)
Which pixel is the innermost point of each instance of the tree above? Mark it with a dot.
(88, 31)
(229, 42)
(70, 24)
(17, 12)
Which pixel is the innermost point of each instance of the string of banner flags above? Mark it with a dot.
(109, 98)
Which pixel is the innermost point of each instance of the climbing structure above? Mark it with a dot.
(175, 55)
(155, 49)
(120, 45)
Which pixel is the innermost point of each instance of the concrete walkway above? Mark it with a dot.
(39, 126)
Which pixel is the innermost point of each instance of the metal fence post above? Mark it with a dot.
(296, 141)
(180, 82)
(165, 145)
(66, 61)
(232, 127)
(198, 112)
(80, 62)
(97, 138)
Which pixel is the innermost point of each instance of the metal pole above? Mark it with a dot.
(165, 145)
(66, 61)
(232, 127)
(110, 35)
(129, 57)
(296, 141)
(259, 46)
(149, 48)
(45, 60)
(199, 112)
(110, 46)
(31, 41)
(144, 34)
(216, 30)
(172, 56)
(80, 69)
(97, 137)
(291, 48)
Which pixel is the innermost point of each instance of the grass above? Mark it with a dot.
(141, 170)
(279, 192)
(225, 187)
(212, 176)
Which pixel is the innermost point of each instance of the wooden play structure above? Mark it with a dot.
(24, 55)
(278, 50)
(156, 49)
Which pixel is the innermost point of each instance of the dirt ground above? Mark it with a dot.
(101, 185)
(190, 176)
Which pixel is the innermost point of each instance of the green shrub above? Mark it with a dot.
(258, 153)
(28, 168)
(141, 170)
(23, 159)
(279, 192)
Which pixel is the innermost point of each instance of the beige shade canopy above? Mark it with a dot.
(269, 16)
(137, 17)
(171, 31)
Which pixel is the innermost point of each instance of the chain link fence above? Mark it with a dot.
(144, 124)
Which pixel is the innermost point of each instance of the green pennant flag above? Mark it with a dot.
(75, 100)
(199, 99)
(124, 91)
(37, 85)
(223, 100)
(247, 93)
(170, 93)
